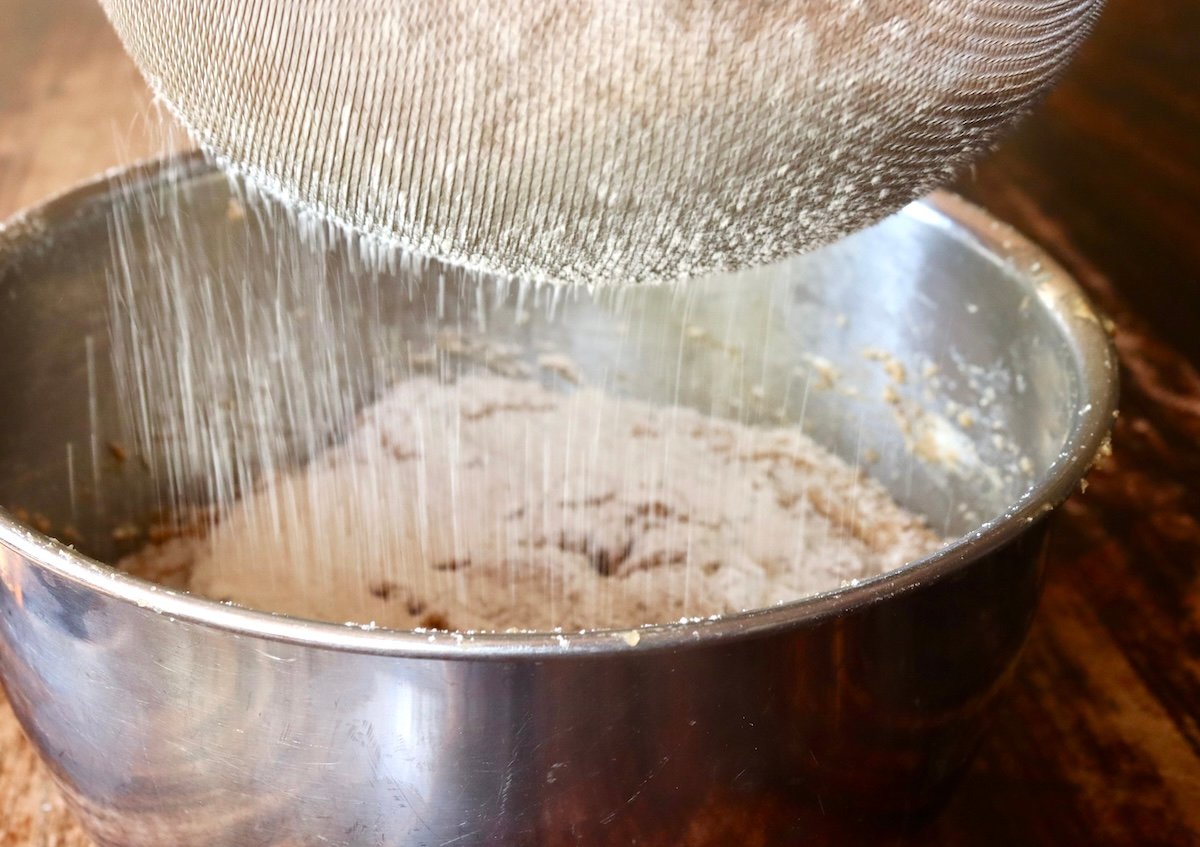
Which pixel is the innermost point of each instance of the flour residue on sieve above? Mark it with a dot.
(494, 504)
(607, 141)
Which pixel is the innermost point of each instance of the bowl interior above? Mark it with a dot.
(954, 375)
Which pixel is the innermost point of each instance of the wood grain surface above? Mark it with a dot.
(1098, 739)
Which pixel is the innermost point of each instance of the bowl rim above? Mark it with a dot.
(1080, 325)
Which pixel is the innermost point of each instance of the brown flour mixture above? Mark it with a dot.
(495, 504)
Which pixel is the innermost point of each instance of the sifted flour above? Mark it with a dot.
(495, 504)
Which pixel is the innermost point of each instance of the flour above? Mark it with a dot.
(495, 504)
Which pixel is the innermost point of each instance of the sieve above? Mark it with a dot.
(600, 141)
(168, 719)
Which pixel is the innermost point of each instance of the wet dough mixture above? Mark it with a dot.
(495, 504)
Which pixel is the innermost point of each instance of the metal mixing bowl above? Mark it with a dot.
(169, 719)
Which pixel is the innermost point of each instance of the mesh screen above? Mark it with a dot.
(600, 140)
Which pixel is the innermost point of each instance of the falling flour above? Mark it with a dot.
(495, 504)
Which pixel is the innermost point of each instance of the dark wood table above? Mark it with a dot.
(1097, 741)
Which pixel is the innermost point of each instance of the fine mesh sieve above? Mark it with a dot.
(600, 140)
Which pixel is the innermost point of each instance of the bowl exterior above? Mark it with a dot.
(164, 731)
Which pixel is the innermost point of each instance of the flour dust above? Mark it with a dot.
(345, 432)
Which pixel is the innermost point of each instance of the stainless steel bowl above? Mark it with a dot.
(168, 719)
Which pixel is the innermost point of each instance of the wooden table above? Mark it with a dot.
(1098, 740)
